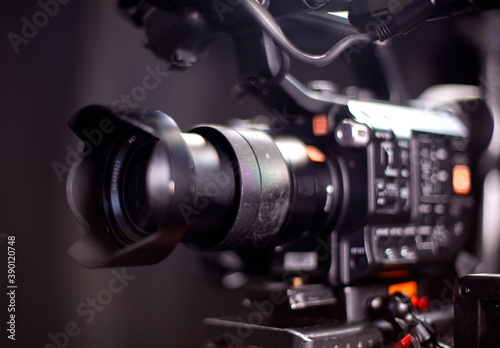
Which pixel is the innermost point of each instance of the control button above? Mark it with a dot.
(461, 179)
(387, 153)
(404, 193)
(392, 189)
(426, 188)
(440, 209)
(390, 254)
(406, 342)
(426, 165)
(458, 228)
(358, 259)
(421, 303)
(434, 178)
(441, 154)
(380, 184)
(404, 155)
(425, 208)
(407, 253)
(392, 172)
(352, 134)
(442, 175)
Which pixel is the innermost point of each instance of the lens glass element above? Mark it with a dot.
(128, 199)
(135, 199)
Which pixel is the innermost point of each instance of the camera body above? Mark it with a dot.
(368, 189)
(359, 199)
(405, 202)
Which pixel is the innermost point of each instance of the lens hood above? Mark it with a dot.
(95, 184)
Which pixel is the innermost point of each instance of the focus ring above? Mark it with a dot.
(264, 186)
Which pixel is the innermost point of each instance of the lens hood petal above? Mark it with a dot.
(89, 186)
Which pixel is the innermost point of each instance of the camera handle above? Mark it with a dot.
(415, 331)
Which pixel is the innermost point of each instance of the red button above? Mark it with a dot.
(404, 343)
(423, 303)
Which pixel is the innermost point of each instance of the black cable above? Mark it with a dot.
(271, 28)
(390, 69)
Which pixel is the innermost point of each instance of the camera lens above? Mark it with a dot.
(148, 187)
(128, 198)
(136, 201)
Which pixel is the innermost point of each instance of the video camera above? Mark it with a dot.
(347, 205)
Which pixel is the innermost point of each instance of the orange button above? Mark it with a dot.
(315, 154)
(320, 125)
(461, 179)
(409, 288)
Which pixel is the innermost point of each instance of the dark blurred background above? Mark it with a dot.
(87, 53)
